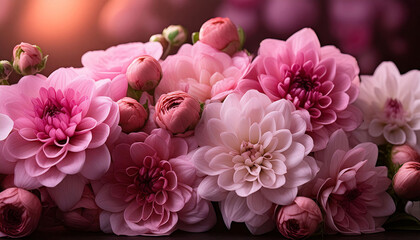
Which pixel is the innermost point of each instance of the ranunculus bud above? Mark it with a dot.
(84, 216)
(132, 115)
(177, 112)
(20, 211)
(299, 219)
(176, 35)
(404, 153)
(160, 39)
(28, 59)
(144, 73)
(5, 69)
(406, 181)
(220, 33)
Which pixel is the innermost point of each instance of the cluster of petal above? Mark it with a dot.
(253, 154)
(202, 71)
(151, 189)
(61, 126)
(113, 62)
(350, 188)
(390, 103)
(319, 80)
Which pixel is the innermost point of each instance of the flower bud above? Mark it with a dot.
(5, 69)
(176, 35)
(220, 33)
(299, 219)
(20, 212)
(144, 73)
(132, 115)
(28, 59)
(177, 112)
(404, 153)
(406, 181)
(160, 39)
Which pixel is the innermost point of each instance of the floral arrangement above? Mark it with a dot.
(140, 141)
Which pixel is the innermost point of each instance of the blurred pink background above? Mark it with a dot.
(370, 30)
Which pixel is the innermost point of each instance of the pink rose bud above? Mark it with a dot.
(176, 35)
(133, 115)
(144, 73)
(160, 39)
(28, 59)
(404, 153)
(20, 212)
(406, 181)
(84, 216)
(5, 69)
(299, 219)
(220, 33)
(177, 112)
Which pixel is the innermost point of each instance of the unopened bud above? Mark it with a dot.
(406, 181)
(5, 69)
(28, 59)
(133, 115)
(160, 39)
(144, 73)
(176, 35)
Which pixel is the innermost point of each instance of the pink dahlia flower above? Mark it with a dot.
(390, 103)
(350, 189)
(253, 154)
(319, 80)
(202, 71)
(113, 62)
(61, 126)
(151, 189)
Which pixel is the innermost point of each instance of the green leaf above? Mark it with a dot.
(402, 221)
(241, 34)
(133, 93)
(195, 36)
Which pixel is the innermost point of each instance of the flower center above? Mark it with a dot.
(394, 110)
(57, 114)
(292, 225)
(10, 218)
(253, 154)
(300, 87)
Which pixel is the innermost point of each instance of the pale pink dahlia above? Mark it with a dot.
(202, 71)
(350, 189)
(151, 189)
(60, 129)
(113, 62)
(390, 103)
(319, 80)
(253, 154)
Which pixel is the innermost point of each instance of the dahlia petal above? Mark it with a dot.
(79, 143)
(248, 188)
(254, 133)
(82, 84)
(106, 200)
(97, 163)
(327, 117)
(32, 168)
(208, 189)
(330, 73)
(51, 178)
(230, 140)
(284, 138)
(294, 155)
(304, 39)
(134, 212)
(119, 225)
(53, 151)
(394, 135)
(139, 151)
(340, 101)
(99, 135)
(270, 86)
(19, 147)
(299, 175)
(258, 204)
(338, 141)
(221, 162)
(6, 124)
(260, 224)
(22, 179)
(99, 108)
(178, 147)
(281, 196)
(234, 208)
(86, 124)
(267, 178)
(104, 222)
(72, 163)
(175, 201)
(186, 167)
(68, 192)
(118, 88)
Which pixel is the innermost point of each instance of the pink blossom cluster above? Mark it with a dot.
(137, 142)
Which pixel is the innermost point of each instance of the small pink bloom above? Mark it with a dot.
(404, 153)
(177, 112)
(319, 81)
(406, 181)
(84, 216)
(299, 219)
(133, 116)
(20, 211)
(151, 189)
(5, 69)
(221, 34)
(28, 59)
(144, 73)
(113, 62)
(202, 71)
(350, 189)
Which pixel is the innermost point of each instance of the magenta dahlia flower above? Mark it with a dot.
(61, 126)
(151, 189)
(113, 62)
(319, 80)
(350, 189)
(202, 71)
(253, 154)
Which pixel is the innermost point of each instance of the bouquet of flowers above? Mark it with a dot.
(146, 138)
